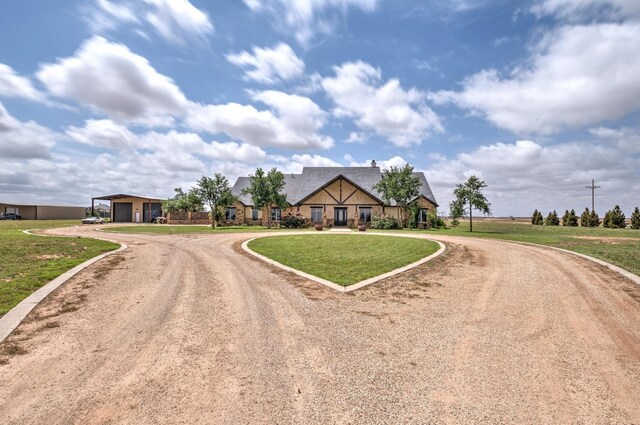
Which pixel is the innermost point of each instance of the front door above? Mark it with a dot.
(340, 216)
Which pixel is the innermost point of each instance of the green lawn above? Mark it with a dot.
(28, 262)
(181, 229)
(617, 246)
(343, 259)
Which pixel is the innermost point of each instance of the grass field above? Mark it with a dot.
(28, 262)
(343, 259)
(617, 246)
(181, 229)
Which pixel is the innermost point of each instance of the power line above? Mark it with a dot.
(593, 188)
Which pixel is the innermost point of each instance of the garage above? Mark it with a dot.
(123, 212)
(149, 215)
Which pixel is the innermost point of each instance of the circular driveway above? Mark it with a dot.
(189, 328)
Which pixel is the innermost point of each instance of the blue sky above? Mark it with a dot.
(536, 97)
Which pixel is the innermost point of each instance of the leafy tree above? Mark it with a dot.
(216, 193)
(536, 218)
(614, 219)
(469, 193)
(552, 219)
(189, 201)
(265, 191)
(401, 185)
(635, 219)
(570, 218)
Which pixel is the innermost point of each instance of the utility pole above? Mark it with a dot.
(593, 188)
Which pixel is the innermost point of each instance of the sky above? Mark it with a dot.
(119, 96)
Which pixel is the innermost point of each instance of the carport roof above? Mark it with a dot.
(124, 195)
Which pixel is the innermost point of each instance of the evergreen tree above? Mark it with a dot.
(565, 218)
(585, 218)
(606, 221)
(617, 220)
(536, 218)
(573, 218)
(635, 219)
(594, 220)
(552, 219)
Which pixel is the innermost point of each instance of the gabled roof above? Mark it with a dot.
(300, 186)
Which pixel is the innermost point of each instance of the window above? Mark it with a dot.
(255, 214)
(276, 214)
(316, 214)
(230, 214)
(365, 214)
(422, 216)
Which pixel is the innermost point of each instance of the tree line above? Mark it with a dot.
(613, 219)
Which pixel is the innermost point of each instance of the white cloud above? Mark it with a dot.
(110, 79)
(22, 140)
(625, 138)
(269, 66)
(384, 107)
(292, 122)
(103, 133)
(385, 164)
(306, 19)
(14, 85)
(587, 9)
(355, 137)
(576, 76)
(176, 20)
(525, 175)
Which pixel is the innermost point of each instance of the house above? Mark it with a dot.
(131, 208)
(42, 212)
(333, 196)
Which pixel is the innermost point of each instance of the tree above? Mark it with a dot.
(401, 185)
(216, 193)
(469, 193)
(594, 220)
(635, 219)
(552, 219)
(614, 219)
(536, 218)
(570, 218)
(265, 191)
(189, 201)
(585, 218)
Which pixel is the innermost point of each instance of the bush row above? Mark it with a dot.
(613, 219)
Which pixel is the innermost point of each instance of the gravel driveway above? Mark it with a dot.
(189, 329)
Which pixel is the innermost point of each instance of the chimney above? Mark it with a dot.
(373, 163)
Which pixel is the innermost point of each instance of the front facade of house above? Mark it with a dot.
(332, 196)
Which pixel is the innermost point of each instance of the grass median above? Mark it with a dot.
(344, 259)
(28, 262)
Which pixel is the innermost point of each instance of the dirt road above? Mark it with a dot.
(189, 329)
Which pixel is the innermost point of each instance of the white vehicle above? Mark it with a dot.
(92, 220)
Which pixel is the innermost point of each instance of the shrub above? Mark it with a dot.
(617, 220)
(435, 221)
(385, 222)
(552, 219)
(536, 218)
(635, 219)
(291, 221)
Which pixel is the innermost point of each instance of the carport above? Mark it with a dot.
(131, 208)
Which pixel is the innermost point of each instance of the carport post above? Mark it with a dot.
(92, 206)
(149, 212)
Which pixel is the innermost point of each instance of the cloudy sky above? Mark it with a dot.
(537, 98)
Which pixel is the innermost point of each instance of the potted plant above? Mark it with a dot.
(362, 227)
(318, 226)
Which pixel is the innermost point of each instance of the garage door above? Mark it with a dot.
(156, 211)
(122, 212)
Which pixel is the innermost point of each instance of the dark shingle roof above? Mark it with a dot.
(299, 186)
